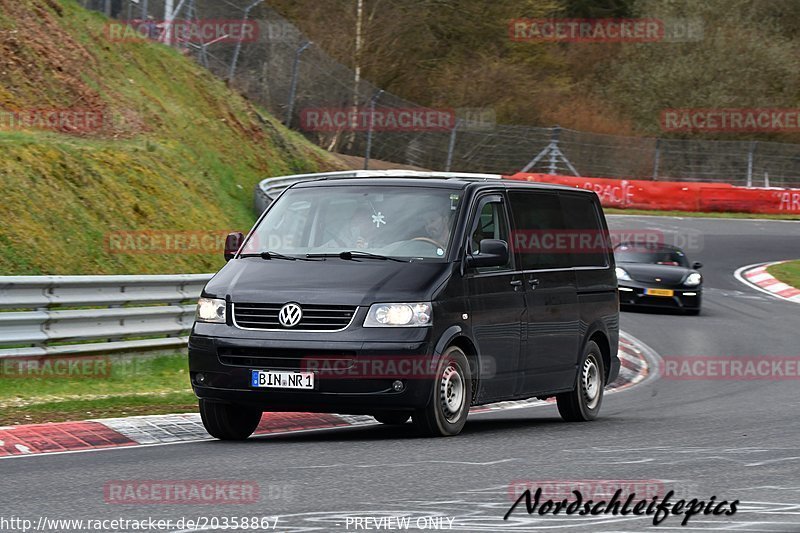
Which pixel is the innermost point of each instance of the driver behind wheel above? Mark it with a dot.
(360, 232)
(436, 228)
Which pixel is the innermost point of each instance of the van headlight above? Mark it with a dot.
(210, 310)
(693, 279)
(408, 315)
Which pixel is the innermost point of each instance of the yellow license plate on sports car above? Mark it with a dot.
(659, 292)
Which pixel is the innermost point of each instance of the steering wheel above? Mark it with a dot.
(429, 241)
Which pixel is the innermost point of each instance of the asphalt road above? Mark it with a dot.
(736, 440)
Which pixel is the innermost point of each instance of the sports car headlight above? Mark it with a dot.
(622, 274)
(403, 315)
(693, 279)
(210, 310)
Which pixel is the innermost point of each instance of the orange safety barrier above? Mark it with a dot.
(679, 195)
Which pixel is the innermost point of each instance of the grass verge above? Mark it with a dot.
(99, 387)
(788, 272)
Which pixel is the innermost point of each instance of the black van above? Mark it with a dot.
(409, 297)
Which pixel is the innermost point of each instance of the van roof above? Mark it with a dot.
(453, 180)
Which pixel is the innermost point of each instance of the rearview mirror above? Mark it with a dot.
(232, 244)
(493, 252)
(697, 264)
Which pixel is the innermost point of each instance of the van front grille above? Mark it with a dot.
(315, 317)
(286, 358)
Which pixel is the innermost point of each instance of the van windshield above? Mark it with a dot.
(403, 222)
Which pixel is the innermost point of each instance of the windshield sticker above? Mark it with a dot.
(378, 219)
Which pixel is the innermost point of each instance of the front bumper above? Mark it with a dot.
(352, 376)
(683, 298)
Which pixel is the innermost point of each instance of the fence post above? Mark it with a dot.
(656, 159)
(238, 49)
(451, 146)
(293, 86)
(369, 129)
(750, 155)
(554, 150)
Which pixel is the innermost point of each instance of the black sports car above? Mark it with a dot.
(658, 275)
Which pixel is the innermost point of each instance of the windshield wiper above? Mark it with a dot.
(275, 255)
(351, 254)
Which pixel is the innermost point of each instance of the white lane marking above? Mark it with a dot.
(413, 463)
(770, 461)
(739, 275)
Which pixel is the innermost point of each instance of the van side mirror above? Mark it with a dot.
(493, 252)
(232, 244)
(697, 264)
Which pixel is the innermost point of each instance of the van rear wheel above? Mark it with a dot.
(226, 421)
(446, 413)
(583, 403)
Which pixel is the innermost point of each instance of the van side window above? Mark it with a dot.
(490, 223)
(538, 230)
(580, 214)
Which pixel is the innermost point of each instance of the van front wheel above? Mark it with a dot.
(228, 422)
(583, 403)
(446, 413)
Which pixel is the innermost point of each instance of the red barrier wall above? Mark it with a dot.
(679, 195)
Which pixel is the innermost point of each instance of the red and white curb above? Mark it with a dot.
(757, 277)
(638, 364)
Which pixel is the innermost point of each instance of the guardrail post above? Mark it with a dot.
(372, 102)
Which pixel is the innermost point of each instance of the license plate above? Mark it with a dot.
(659, 292)
(275, 379)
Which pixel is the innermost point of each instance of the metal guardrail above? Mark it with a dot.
(75, 315)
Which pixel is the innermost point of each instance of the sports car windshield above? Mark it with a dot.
(404, 222)
(649, 255)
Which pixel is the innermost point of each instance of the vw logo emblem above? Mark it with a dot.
(290, 315)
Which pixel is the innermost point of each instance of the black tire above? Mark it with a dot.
(583, 403)
(447, 410)
(228, 422)
(392, 419)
